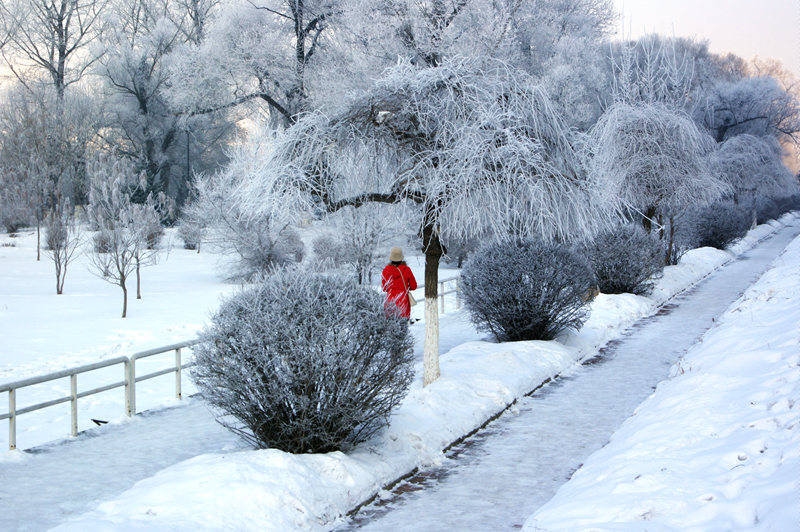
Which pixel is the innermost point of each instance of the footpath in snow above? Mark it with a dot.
(271, 490)
(505, 472)
(39, 489)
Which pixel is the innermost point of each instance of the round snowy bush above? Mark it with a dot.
(304, 363)
(720, 225)
(526, 291)
(625, 260)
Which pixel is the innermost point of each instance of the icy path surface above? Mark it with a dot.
(500, 476)
(60, 480)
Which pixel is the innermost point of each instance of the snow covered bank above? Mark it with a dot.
(718, 444)
(270, 490)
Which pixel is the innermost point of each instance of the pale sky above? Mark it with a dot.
(748, 28)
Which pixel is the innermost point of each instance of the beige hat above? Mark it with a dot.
(396, 255)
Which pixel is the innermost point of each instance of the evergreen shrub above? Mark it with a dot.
(527, 290)
(625, 259)
(304, 362)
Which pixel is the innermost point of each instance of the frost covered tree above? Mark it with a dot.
(653, 70)
(359, 233)
(7, 27)
(43, 141)
(52, 38)
(558, 42)
(752, 166)
(758, 106)
(563, 44)
(254, 51)
(141, 124)
(658, 158)
(62, 238)
(473, 147)
(261, 240)
(124, 226)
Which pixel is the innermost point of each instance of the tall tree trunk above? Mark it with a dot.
(647, 219)
(671, 244)
(432, 248)
(124, 298)
(62, 279)
(138, 281)
(59, 278)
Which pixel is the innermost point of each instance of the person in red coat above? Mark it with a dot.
(396, 280)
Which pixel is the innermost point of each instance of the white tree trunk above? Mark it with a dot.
(431, 349)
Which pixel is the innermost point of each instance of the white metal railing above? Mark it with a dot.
(455, 290)
(454, 284)
(128, 381)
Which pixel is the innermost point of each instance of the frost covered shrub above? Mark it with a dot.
(191, 232)
(774, 208)
(720, 225)
(526, 291)
(102, 241)
(625, 260)
(304, 362)
(260, 252)
(329, 251)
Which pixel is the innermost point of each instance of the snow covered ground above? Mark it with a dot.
(263, 490)
(717, 447)
(271, 490)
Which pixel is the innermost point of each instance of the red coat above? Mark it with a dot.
(396, 281)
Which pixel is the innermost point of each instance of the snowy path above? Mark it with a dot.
(499, 477)
(56, 481)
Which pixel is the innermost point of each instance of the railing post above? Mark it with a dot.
(73, 392)
(458, 293)
(127, 374)
(178, 373)
(441, 294)
(132, 388)
(12, 421)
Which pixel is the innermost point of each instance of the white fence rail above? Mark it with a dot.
(128, 381)
(454, 284)
(451, 285)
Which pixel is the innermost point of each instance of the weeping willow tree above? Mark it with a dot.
(658, 158)
(472, 148)
(753, 167)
